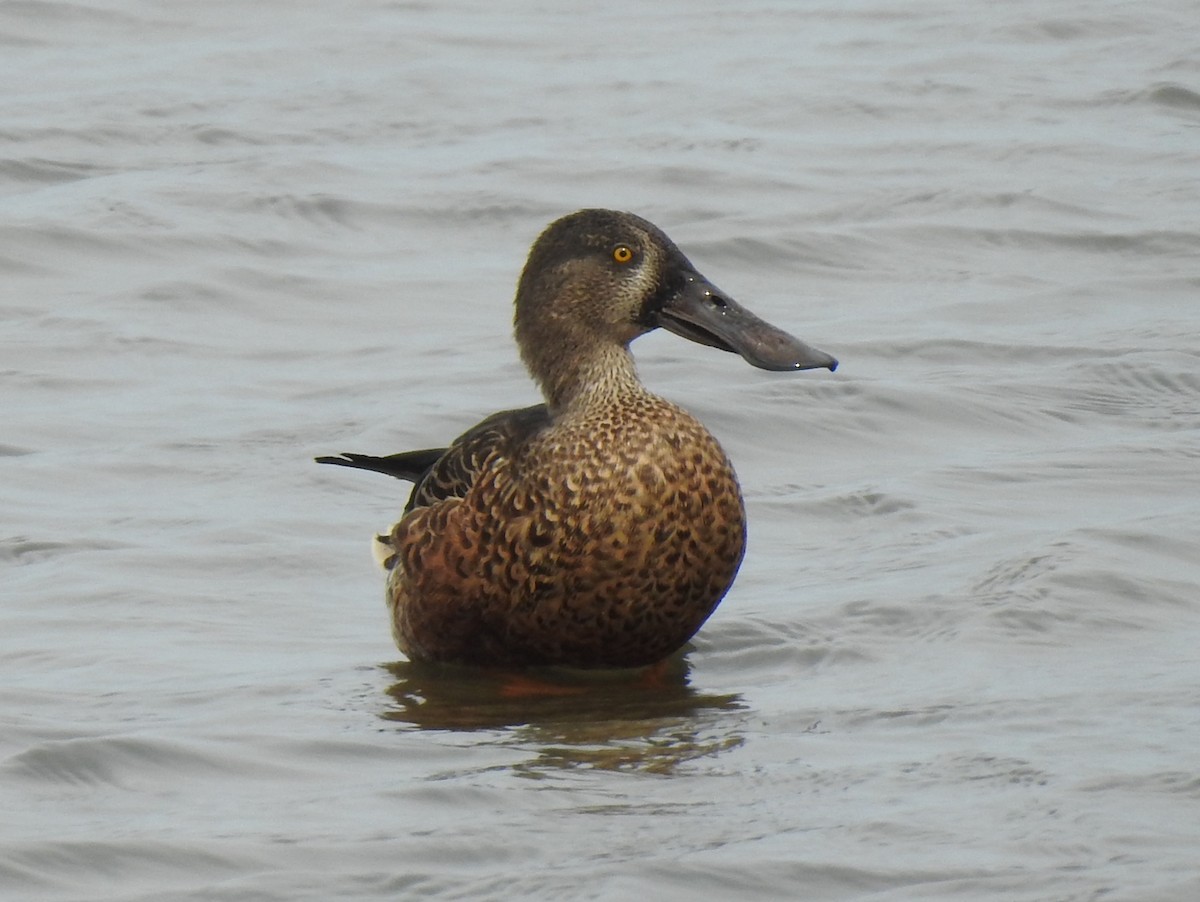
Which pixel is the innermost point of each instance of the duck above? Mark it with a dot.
(600, 528)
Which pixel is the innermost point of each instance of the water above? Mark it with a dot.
(961, 659)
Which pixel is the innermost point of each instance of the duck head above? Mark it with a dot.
(597, 279)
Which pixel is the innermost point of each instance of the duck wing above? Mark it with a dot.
(440, 473)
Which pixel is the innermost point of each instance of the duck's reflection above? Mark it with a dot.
(616, 720)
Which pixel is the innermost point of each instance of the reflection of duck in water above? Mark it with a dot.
(599, 529)
(558, 701)
(603, 720)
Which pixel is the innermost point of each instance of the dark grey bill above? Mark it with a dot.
(701, 312)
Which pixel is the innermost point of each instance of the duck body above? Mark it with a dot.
(599, 529)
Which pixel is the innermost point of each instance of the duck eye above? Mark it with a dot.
(622, 253)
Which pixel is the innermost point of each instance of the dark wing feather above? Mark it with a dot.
(448, 472)
(455, 471)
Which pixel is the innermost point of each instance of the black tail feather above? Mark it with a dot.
(407, 465)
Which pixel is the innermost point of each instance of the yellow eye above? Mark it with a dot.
(622, 253)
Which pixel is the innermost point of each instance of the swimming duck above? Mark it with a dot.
(601, 528)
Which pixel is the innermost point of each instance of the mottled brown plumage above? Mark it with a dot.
(601, 528)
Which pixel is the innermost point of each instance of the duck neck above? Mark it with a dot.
(577, 375)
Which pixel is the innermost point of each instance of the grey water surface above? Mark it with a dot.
(962, 660)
